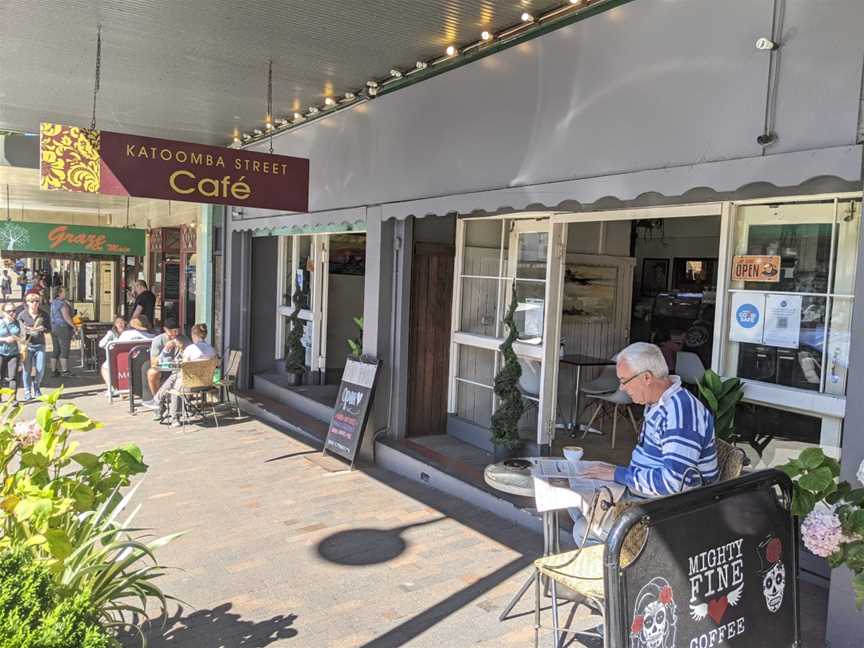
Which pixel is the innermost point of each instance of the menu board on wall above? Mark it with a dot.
(352, 408)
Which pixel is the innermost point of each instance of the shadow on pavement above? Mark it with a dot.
(214, 628)
(365, 546)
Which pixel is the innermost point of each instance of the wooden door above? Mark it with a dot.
(429, 343)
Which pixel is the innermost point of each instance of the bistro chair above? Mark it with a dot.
(581, 570)
(689, 367)
(195, 385)
(613, 401)
(227, 384)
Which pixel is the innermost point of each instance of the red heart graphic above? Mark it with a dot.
(717, 608)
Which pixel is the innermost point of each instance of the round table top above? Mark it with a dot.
(511, 479)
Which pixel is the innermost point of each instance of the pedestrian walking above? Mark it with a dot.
(10, 331)
(6, 285)
(62, 330)
(34, 325)
(22, 282)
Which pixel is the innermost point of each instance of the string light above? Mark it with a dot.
(313, 110)
(257, 132)
(396, 74)
(451, 50)
(350, 96)
(527, 17)
(486, 36)
(330, 102)
(281, 123)
(297, 116)
(421, 65)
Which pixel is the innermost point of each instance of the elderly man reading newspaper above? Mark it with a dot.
(676, 448)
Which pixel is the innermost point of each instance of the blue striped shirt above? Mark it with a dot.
(677, 440)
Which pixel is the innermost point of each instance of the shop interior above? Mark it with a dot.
(624, 281)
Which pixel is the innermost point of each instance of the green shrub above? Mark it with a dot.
(30, 615)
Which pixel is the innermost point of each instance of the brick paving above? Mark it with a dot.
(281, 552)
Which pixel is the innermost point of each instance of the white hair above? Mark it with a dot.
(643, 356)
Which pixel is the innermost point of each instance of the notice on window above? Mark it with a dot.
(782, 321)
(748, 317)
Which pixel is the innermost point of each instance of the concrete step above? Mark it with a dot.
(303, 398)
(284, 417)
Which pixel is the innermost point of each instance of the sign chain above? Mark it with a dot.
(270, 101)
(98, 73)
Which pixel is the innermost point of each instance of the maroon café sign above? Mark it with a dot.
(94, 161)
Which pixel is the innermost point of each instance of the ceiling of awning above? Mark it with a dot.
(195, 70)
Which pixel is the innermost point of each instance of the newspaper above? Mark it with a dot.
(558, 485)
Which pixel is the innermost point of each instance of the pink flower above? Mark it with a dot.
(822, 533)
(27, 433)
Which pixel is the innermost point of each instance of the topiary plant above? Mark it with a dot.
(505, 420)
(295, 352)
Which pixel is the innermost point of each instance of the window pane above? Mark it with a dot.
(482, 256)
(530, 311)
(474, 403)
(531, 259)
(848, 227)
(771, 437)
(476, 365)
(289, 277)
(304, 271)
(839, 337)
(795, 367)
(479, 306)
(804, 251)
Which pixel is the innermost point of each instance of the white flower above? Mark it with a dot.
(27, 433)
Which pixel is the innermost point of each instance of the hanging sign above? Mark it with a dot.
(756, 268)
(71, 239)
(748, 317)
(352, 408)
(96, 161)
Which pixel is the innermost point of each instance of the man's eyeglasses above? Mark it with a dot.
(622, 383)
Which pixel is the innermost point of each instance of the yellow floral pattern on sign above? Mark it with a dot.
(69, 158)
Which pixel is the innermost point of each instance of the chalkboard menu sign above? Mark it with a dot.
(352, 408)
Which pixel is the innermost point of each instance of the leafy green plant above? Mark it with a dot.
(52, 483)
(117, 569)
(295, 352)
(721, 397)
(833, 517)
(505, 420)
(356, 344)
(32, 615)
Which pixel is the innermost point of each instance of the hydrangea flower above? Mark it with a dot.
(821, 532)
(27, 433)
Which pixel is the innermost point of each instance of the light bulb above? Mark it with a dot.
(257, 131)
(298, 116)
(372, 84)
(451, 51)
(396, 74)
(527, 17)
(350, 96)
(236, 139)
(421, 65)
(313, 110)
(329, 101)
(486, 36)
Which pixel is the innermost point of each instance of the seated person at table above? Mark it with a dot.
(165, 348)
(676, 448)
(112, 335)
(198, 350)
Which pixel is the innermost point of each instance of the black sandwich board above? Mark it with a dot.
(719, 569)
(352, 408)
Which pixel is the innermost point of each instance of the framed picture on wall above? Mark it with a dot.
(655, 276)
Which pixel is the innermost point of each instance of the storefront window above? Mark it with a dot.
(783, 307)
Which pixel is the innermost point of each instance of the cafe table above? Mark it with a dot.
(513, 476)
(580, 360)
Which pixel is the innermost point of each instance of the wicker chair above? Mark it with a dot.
(193, 388)
(581, 570)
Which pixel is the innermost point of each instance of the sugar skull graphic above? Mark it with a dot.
(773, 572)
(655, 617)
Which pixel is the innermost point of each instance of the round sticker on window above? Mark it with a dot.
(747, 315)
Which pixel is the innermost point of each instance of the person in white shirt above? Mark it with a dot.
(113, 335)
(137, 330)
(200, 350)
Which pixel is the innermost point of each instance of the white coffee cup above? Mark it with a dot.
(573, 453)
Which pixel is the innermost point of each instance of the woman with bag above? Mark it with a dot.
(32, 321)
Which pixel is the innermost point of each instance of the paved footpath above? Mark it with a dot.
(281, 552)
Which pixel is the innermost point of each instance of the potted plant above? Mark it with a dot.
(721, 397)
(505, 420)
(295, 352)
(355, 344)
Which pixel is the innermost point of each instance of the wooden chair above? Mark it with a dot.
(227, 384)
(581, 570)
(195, 385)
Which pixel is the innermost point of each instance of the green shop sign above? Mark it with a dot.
(71, 239)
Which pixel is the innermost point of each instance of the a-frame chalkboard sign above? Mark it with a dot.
(352, 407)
